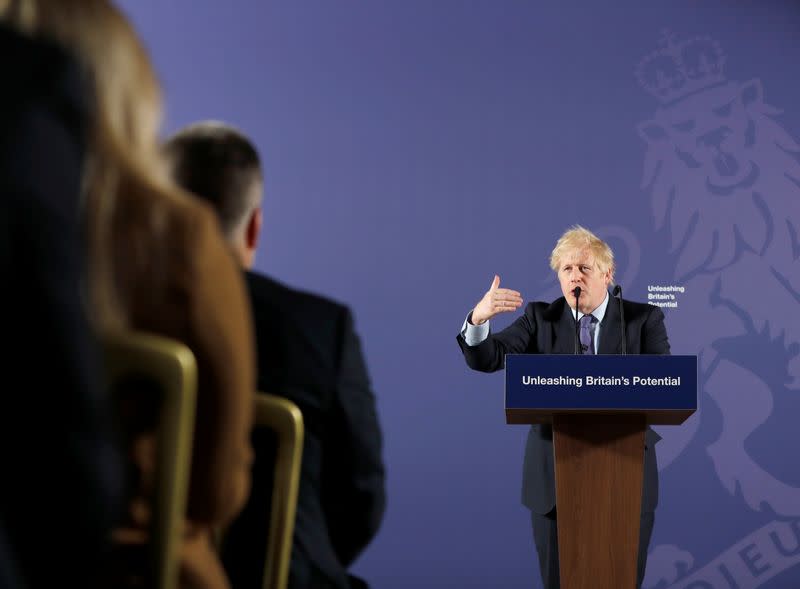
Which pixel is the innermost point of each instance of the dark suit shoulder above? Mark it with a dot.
(265, 290)
(299, 339)
(637, 311)
(552, 311)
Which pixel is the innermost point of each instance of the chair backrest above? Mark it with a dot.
(171, 367)
(285, 418)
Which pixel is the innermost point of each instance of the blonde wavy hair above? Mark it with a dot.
(123, 157)
(578, 238)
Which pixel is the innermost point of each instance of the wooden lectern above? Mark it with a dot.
(599, 407)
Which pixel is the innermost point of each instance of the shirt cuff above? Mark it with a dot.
(474, 334)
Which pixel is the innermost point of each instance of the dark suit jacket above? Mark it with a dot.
(550, 329)
(309, 353)
(62, 480)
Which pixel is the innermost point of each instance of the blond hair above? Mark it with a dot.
(578, 239)
(123, 158)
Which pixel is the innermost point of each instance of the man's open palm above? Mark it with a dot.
(496, 300)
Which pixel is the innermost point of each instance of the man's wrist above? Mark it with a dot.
(471, 320)
(474, 334)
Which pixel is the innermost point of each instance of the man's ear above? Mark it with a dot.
(252, 230)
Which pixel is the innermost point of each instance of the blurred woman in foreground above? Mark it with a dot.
(157, 263)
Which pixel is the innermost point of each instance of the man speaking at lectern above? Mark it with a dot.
(582, 260)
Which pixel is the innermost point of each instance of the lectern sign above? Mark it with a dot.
(538, 385)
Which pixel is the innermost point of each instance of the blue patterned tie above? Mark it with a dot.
(587, 333)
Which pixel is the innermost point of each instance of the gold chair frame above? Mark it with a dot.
(285, 418)
(171, 365)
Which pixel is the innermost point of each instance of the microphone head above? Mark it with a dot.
(576, 291)
(617, 291)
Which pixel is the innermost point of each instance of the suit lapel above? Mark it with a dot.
(563, 329)
(610, 337)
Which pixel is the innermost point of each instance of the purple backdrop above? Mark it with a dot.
(415, 148)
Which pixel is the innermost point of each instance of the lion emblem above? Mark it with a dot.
(726, 178)
(724, 181)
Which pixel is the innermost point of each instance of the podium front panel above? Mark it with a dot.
(664, 388)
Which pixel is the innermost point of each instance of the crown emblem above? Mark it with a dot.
(680, 68)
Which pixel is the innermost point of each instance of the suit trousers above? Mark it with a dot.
(545, 537)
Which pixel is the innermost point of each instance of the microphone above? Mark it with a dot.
(617, 292)
(577, 292)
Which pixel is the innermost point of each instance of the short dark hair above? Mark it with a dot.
(217, 163)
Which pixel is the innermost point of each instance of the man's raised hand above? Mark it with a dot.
(496, 300)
